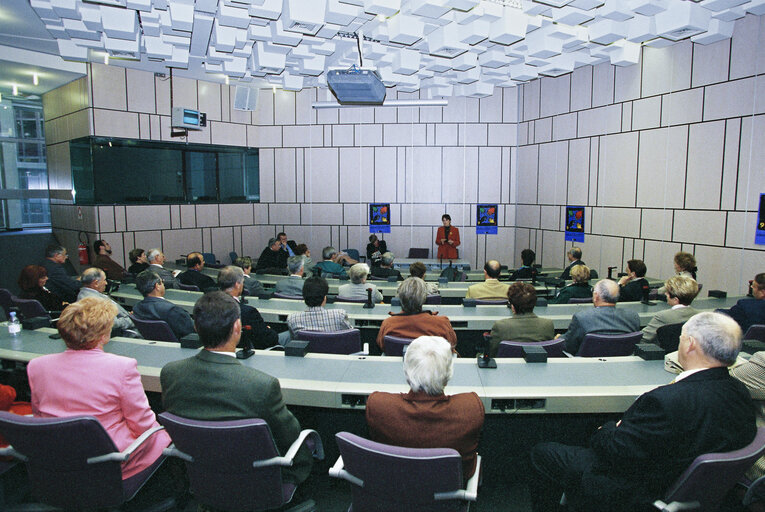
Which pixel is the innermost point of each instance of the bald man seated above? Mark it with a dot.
(491, 288)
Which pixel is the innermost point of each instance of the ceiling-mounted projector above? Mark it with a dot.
(356, 86)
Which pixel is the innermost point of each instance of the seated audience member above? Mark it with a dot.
(213, 385)
(317, 317)
(85, 380)
(633, 284)
(524, 325)
(273, 260)
(413, 322)
(748, 312)
(59, 283)
(357, 288)
(288, 246)
(302, 250)
(105, 262)
(375, 250)
(231, 281)
(155, 307)
(193, 276)
(685, 265)
(680, 292)
(139, 261)
(292, 285)
(579, 289)
(93, 285)
(425, 417)
(604, 318)
(385, 268)
(32, 284)
(156, 259)
(252, 286)
(752, 375)
(418, 269)
(329, 266)
(632, 462)
(527, 270)
(491, 288)
(574, 255)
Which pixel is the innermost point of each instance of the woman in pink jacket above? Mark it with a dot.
(85, 380)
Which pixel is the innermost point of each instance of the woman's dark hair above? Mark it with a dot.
(446, 216)
(30, 276)
(638, 267)
(300, 249)
(135, 254)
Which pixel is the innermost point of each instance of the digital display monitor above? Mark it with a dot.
(575, 223)
(379, 217)
(190, 117)
(486, 219)
(759, 234)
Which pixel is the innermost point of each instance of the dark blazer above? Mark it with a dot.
(252, 286)
(382, 248)
(272, 261)
(137, 268)
(575, 290)
(216, 387)
(666, 429)
(292, 285)
(48, 299)
(166, 275)
(255, 329)
(524, 273)
(566, 275)
(59, 282)
(747, 312)
(525, 327)
(633, 290)
(156, 308)
(600, 320)
(419, 420)
(386, 272)
(198, 279)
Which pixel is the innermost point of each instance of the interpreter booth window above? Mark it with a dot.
(122, 171)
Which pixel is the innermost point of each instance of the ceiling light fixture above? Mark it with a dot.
(388, 103)
(35, 79)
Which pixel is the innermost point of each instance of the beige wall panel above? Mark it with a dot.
(458, 167)
(112, 123)
(356, 169)
(490, 108)
(209, 99)
(236, 214)
(751, 178)
(729, 99)
(531, 100)
(321, 175)
(682, 107)
(553, 172)
(140, 91)
(426, 175)
(656, 224)
(564, 126)
(599, 121)
(285, 173)
(666, 69)
(581, 88)
(646, 113)
(553, 246)
(263, 115)
(360, 115)
(221, 243)
(659, 257)
(255, 239)
(106, 219)
(459, 110)
(140, 218)
(207, 215)
(294, 136)
(109, 87)
(578, 171)
(661, 165)
(543, 130)
(602, 84)
(367, 135)
(281, 214)
(304, 113)
(446, 134)
(555, 95)
(385, 175)
(153, 239)
(510, 104)
(617, 174)
(355, 214)
(184, 92)
(616, 222)
(228, 134)
(501, 134)
(472, 135)
(162, 95)
(550, 218)
(710, 63)
(489, 175)
(701, 227)
(180, 241)
(404, 135)
(342, 135)
(527, 216)
(746, 56)
(705, 163)
(284, 107)
(627, 82)
(528, 165)
(740, 231)
(425, 215)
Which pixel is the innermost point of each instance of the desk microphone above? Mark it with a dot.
(484, 361)
(247, 350)
(646, 293)
(369, 304)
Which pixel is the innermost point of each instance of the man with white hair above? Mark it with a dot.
(425, 417)
(93, 285)
(357, 288)
(604, 318)
(156, 259)
(292, 285)
(632, 462)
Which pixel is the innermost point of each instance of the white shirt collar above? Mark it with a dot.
(687, 373)
(230, 354)
(679, 306)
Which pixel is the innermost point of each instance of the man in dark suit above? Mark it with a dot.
(214, 385)
(385, 269)
(273, 260)
(633, 286)
(633, 461)
(260, 336)
(574, 255)
(60, 283)
(292, 285)
(156, 259)
(155, 307)
(288, 246)
(604, 318)
(749, 312)
(195, 262)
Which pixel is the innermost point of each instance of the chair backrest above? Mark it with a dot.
(233, 256)
(554, 348)
(668, 336)
(394, 346)
(355, 301)
(336, 342)
(580, 300)
(395, 478)
(223, 477)
(6, 299)
(710, 476)
(433, 299)
(57, 452)
(156, 330)
(419, 252)
(278, 295)
(755, 332)
(209, 258)
(29, 308)
(605, 345)
(593, 273)
(491, 302)
(353, 253)
(188, 287)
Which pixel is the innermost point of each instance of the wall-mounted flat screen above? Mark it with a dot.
(486, 219)
(379, 217)
(575, 223)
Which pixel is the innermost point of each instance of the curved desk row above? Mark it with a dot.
(577, 385)
(462, 318)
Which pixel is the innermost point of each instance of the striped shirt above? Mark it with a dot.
(318, 319)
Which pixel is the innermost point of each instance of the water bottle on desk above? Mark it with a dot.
(14, 326)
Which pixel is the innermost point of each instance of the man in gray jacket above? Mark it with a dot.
(93, 285)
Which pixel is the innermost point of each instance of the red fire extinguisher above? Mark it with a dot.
(82, 251)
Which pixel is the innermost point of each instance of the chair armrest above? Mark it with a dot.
(172, 451)
(10, 452)
(277, 348)
(751, 491)
(127, 452)
(676, 506)
(338, 471)
(469, 493)
(307, 435)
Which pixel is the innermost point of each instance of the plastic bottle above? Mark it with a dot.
(14, 326)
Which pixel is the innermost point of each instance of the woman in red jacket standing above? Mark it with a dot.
(447, 239)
